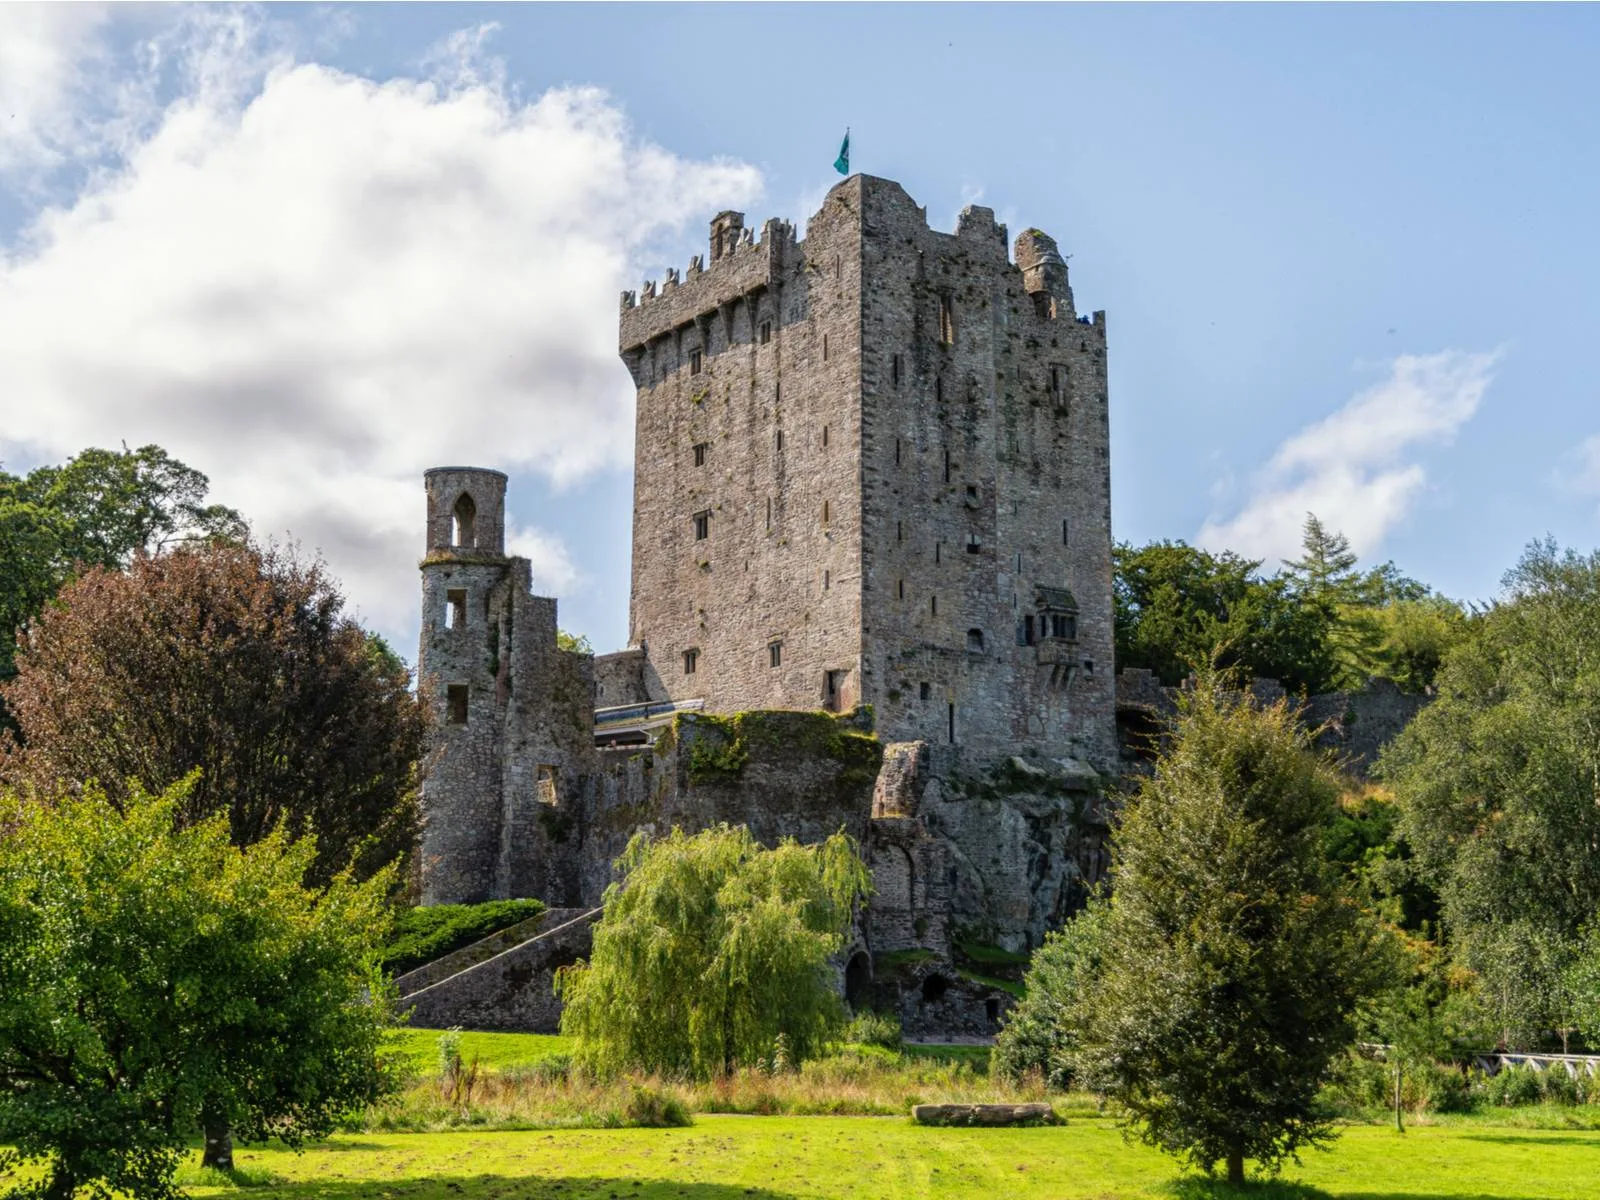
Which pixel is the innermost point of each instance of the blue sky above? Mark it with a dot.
(1348, 253)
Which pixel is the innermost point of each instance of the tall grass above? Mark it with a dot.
(858, 1081)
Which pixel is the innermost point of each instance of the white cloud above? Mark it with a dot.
(313, 286)
(46, 53)
(1357, 469)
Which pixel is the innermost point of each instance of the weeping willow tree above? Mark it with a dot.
(712, 948)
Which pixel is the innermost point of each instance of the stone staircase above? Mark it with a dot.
(504, 981)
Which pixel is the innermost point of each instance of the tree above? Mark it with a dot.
(710, 950)
(1231, 959)
(95, 510)
(1496, 786)
(236, 662)
(1179, 608)
(155, 980)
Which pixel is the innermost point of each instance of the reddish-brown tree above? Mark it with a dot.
(238, 663)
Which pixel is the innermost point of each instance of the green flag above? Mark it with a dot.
(842, 163)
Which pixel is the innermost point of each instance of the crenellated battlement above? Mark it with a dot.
(739, 267)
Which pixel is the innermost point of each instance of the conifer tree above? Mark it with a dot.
(1230, 962)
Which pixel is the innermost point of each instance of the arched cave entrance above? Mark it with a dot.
(857, 980)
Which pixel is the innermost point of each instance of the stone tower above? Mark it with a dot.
(512, 712)
(872, 468)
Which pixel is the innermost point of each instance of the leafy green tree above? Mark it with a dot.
(710, 950)
(156, 981)
(1496, 786)
(577, 643)
(95, 510)
(1414, 635)
(1232, 959)
(1179, 608)
(236, 662)
(1041, 1031)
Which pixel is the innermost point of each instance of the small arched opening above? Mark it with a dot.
(857, 981)
(974, 641)
(933, 989)
(991, 1010)
(464, 518)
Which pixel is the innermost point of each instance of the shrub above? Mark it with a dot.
(1557, 1087)
(874, 1029)
(1041, 1031)
(651, 1108)
(1511, 1087)
(424, 934)
(1446, 1089)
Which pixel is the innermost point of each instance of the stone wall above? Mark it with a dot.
(1353, 727)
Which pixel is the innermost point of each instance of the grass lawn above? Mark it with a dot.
(497, 1050)
(769, 1158)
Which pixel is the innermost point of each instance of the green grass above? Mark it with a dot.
(799, 1158)
(986, 955)
(494, 1050)
(1004, 985)
(976, 1057)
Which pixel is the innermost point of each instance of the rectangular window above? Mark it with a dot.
(897, 452)
(455, 608)
(1058, 385)
(691, 659)
(824, 437)
(700, 453)
(899, 531)
(702, 525)
(902, 589)
(974, 544)
(1027, 630)
(947, 466)
(947, 319)
(769, 514)
(774, 654)
(696, 360)
(952, 723)
(456, 704)
(1088, 666)
(824, 512)
(766, 332)
(933, 606)
(824, 347)
(544, 784)
(1063, 533)
(938, 389)
(827, 580)
(778, 441)
(938, 548)
(924, 691)
(894, 370)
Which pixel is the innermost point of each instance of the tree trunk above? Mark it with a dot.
(62, 1185)
(1399, 1126)
(219, 1143)
(1236, 1168)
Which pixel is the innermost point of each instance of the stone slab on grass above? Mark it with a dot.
(993, 1115)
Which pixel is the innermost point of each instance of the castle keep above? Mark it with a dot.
(872, 468)
(871, 590)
